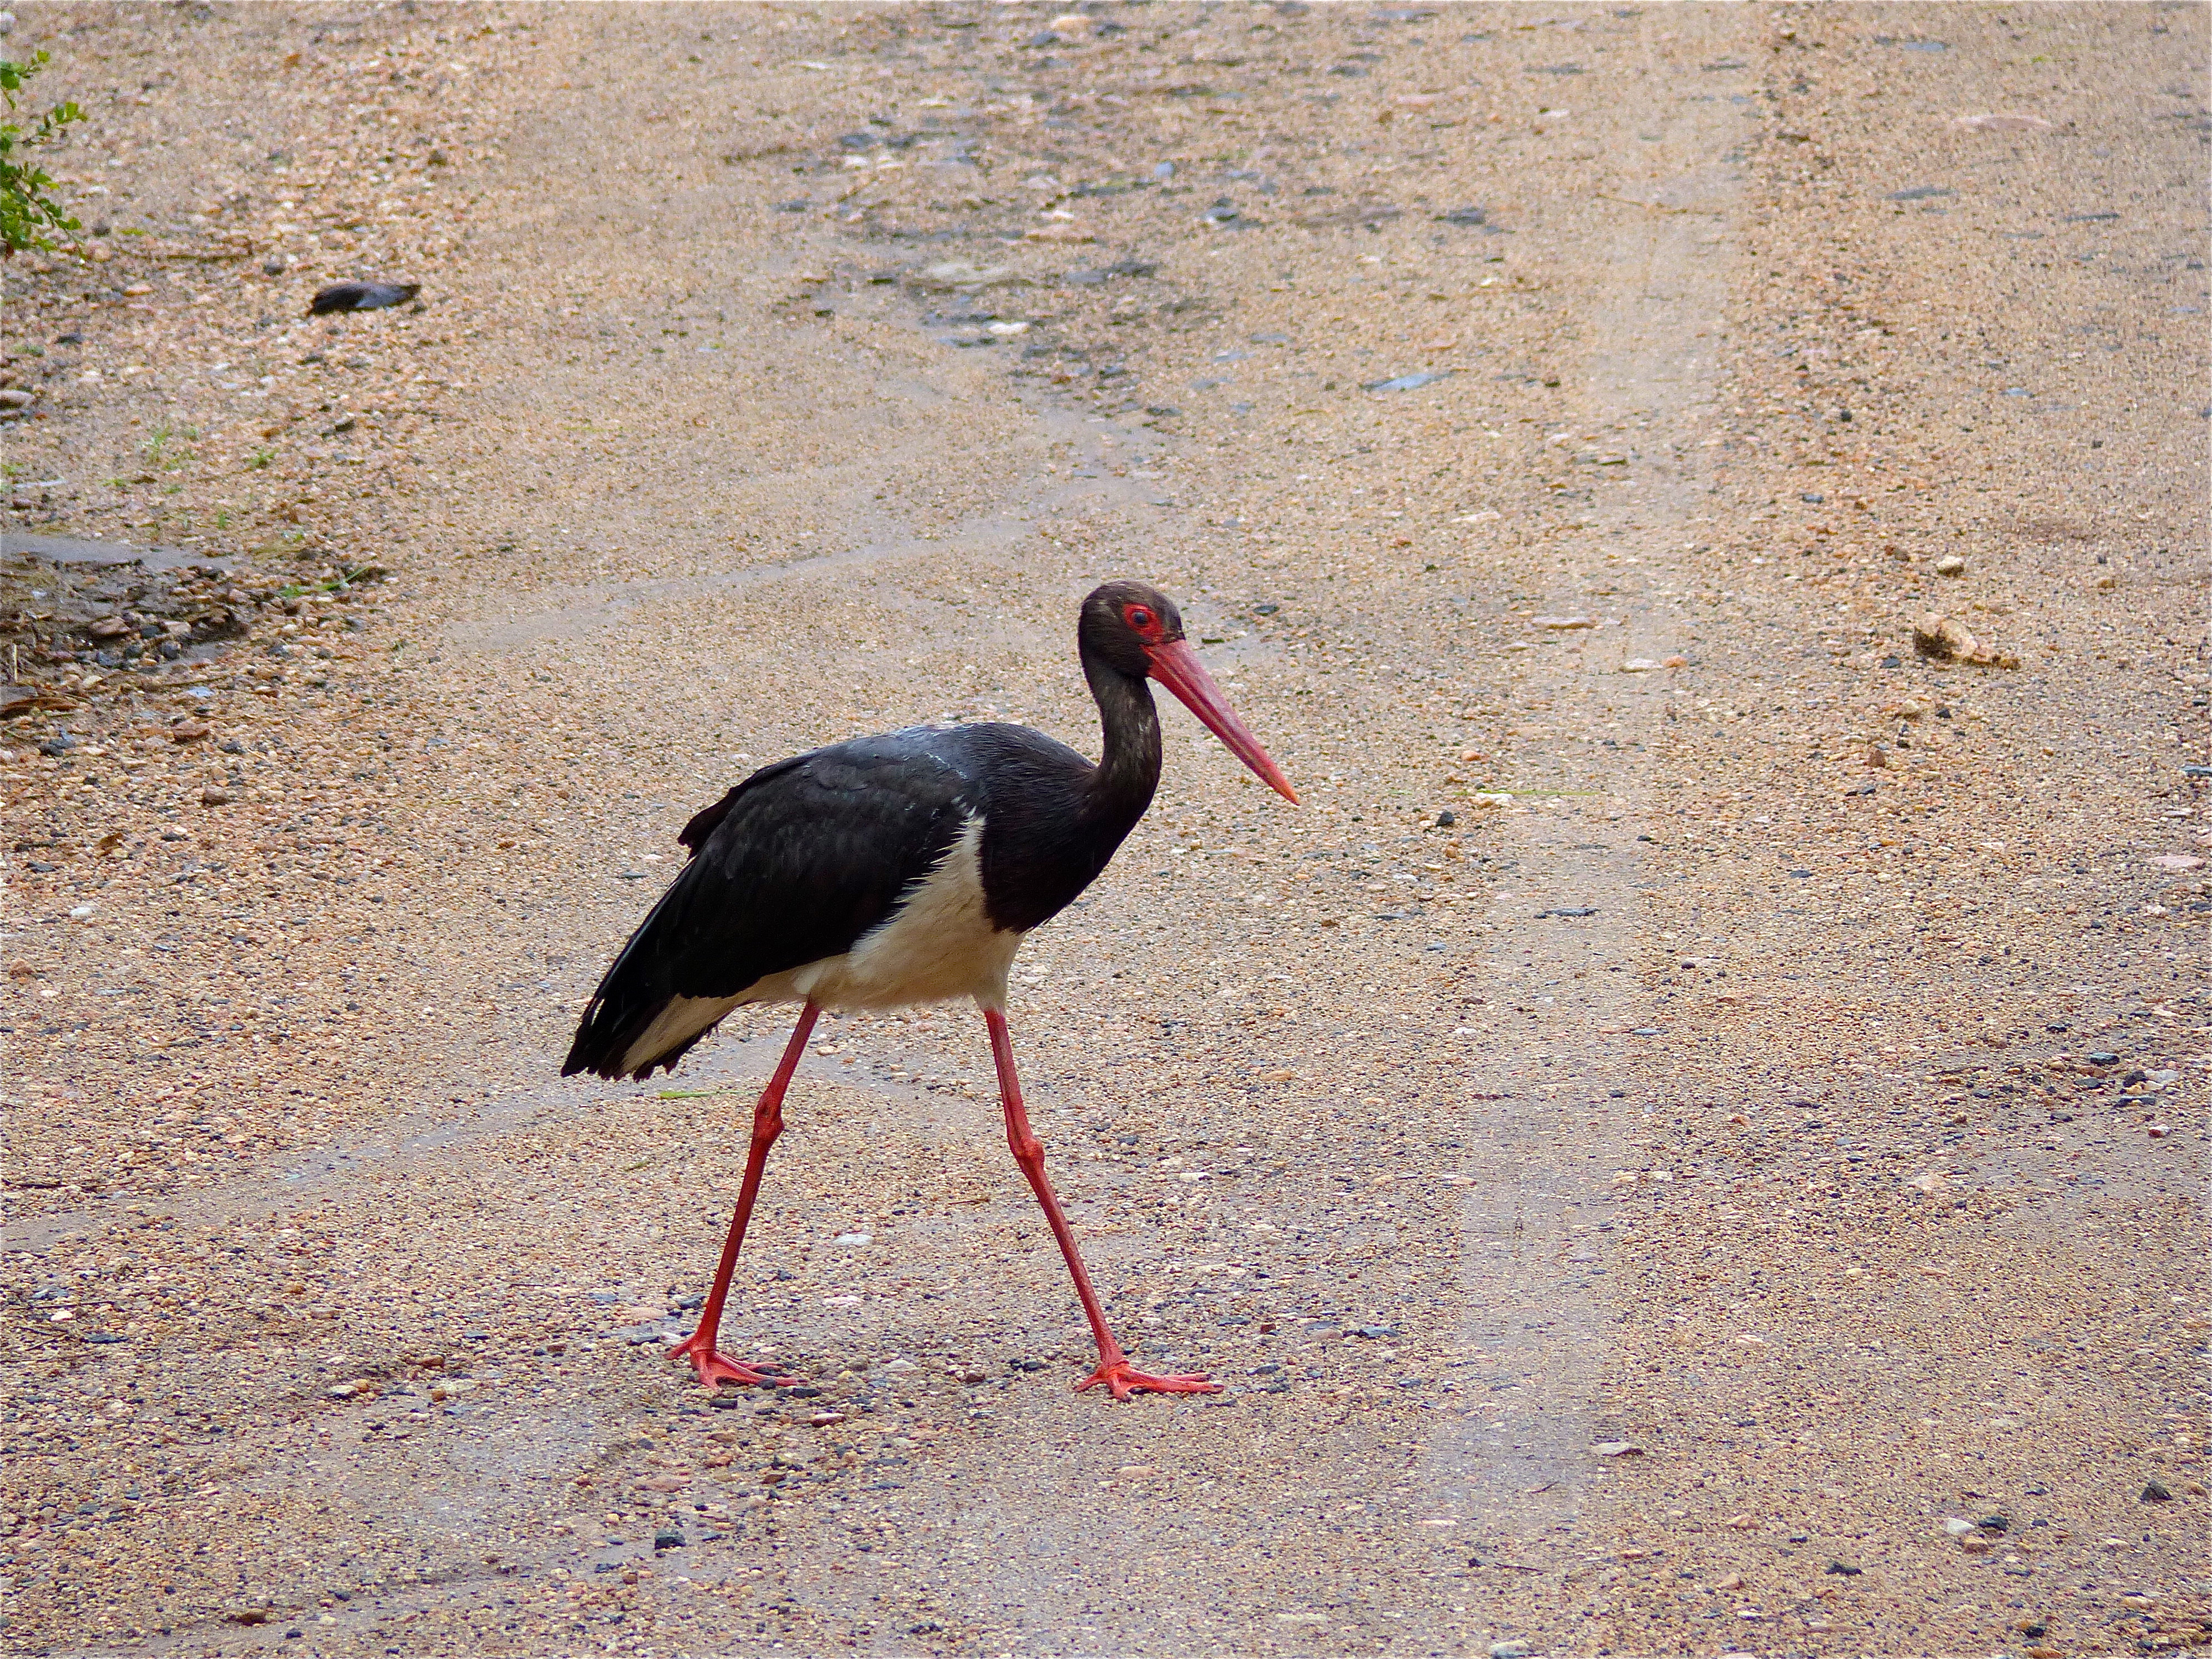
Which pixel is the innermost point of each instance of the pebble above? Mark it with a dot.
(1412, 382)
(955, 273)
(1950, 565)
(1996, 122)
(2156, 1492)
(1945, 639)
(1509, 1650)
(360, 296)
(1563, 623)
(1618, 1448)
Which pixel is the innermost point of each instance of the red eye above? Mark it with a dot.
(1140, 618)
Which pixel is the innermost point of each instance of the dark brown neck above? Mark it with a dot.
(1129, 764)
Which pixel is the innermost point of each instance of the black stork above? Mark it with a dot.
(902, 869)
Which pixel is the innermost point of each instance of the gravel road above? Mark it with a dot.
(1690, 1141)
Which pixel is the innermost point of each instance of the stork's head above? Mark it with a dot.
(1137, 630)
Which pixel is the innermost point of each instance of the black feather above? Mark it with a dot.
(793, 865)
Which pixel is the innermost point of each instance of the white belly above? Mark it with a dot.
(938, 944)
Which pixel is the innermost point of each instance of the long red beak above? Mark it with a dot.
(1177, 667)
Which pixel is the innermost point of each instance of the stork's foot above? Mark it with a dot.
(1125, 1380)
(715, 1368)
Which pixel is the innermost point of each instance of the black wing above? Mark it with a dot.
(793, 865)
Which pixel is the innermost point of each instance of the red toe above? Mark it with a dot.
(1124, 1381)
(715, 1368)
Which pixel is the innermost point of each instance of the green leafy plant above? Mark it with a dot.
(165, 447)
(28, 211)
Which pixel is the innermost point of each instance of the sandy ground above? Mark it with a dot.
(1690, 1141)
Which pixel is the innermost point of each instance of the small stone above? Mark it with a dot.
(1412, 382)
(2001, 122)
(1562, 623)
(188, 731)
(1675, 662)
(1957, 1526)
(1845, 1569)
(1135, 1472)
(1975, 1544)
(360, 296)
(1618, 1448)
(214, 797)
(275, 265)
(107, 628)
(2156, 1492)
(669, 1539)
(1943, 638)
(1509, 1650)
(1950, 565)
(246, 1612)
(1638, 665)
(1733, 1582)
(856, 1238)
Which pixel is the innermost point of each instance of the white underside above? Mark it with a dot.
(938, 946)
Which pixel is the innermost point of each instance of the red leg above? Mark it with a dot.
(714, 1368)
(1114, 1368)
